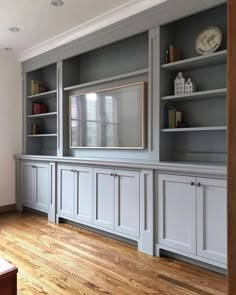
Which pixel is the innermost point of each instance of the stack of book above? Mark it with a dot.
(37, 87)
(172, 117)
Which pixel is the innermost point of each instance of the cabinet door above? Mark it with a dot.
(177, 212)
(28, 174)
(103, 197)
(42, 187)
(127, 202)
(83, 195)
(66, 190)
(212, 219)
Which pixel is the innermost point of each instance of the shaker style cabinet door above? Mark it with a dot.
(103, 197)
(212, 219)
(28, 174)
(177, 212)
(83, 194)
(127, 202)
(42, 187)
(66, 190)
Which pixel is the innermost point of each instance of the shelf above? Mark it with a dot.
(190, 129)
(220, 164)
(43, 94)
(45, 115)
(197, 62)
(200, 95)
(114, 78)
(42, 135)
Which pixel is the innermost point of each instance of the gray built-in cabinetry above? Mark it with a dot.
(98, 196)
(192, 217)
(36, 186)
(74, 192)
(107, 199)
(115, 191)
(205, 110)
(44, 142)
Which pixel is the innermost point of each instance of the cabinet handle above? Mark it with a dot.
(192, 183)
(198, 184)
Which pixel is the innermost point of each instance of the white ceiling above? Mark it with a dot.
(44, 27)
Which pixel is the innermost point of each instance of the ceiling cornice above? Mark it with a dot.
(128, 9)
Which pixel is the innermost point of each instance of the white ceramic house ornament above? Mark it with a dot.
(190, 87)
(179, 84)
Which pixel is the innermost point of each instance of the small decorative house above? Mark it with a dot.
(179, 84)
(190, 87)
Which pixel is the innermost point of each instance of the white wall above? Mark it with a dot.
(10, 126)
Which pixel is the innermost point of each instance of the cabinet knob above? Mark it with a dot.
(198, 184)
(192, 183)
(33, 166)
(112, 174)
(115, 174)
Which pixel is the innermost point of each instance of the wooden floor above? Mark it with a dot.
(61, 259)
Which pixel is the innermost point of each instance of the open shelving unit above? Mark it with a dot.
(192, 129)
(51, 114)
(203, 61)
(43, 95)
(42, 135)
(215, 93)
(107, 80)
(204, 111)
(44, 142)
(121, 63)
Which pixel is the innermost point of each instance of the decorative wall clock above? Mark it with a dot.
(208, 40)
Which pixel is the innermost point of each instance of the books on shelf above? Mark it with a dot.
(37, 87)
(172, 117)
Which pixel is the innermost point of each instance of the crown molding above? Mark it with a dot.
(126, 10)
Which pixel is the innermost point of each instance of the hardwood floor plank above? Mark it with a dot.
(62, 259)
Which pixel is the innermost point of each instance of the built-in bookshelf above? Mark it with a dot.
(108, 80)
(121, 63)
(201, 137)
(197, 62)
(199, 95)
(41, 123)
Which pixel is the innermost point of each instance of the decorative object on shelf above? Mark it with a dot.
(174, 54)
(178, 118)
(172, 117)
(167, 56)
(208, 40)
(189, 87)
(35, 129)
(179, 83)
(38, 108)
(37, 87)
(183, 125)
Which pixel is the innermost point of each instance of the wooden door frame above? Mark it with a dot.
(231, 108)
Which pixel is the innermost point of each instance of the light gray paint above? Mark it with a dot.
(212, 219)
(103, 198)
(83, 194)
(177, 212)
(65, 190)
(34, 185)
(127, 202)
(147, 212)
(212, 170)
(52, 192)
(162, 13)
